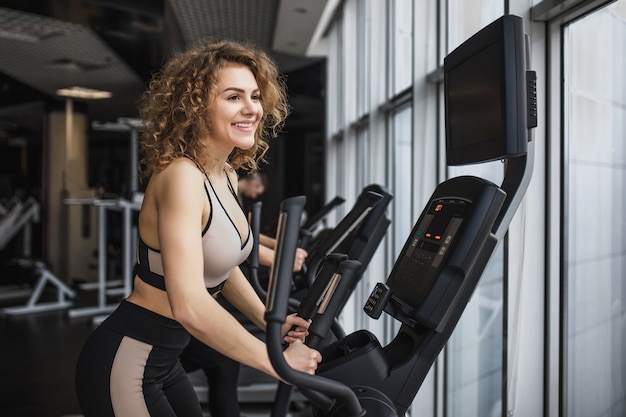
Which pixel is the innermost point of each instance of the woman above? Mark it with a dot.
(209, 112)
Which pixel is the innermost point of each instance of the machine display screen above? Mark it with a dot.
(417, 266)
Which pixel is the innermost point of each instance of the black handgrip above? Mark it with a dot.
(308, 305)
(284, 257)
(331, 300)
(276, 311)
(305, 238)
(255, 225)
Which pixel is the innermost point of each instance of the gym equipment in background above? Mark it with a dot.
(18, 217)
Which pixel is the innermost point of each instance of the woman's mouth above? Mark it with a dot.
(244, 125)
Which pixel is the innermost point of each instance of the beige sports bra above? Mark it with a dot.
(222, 247)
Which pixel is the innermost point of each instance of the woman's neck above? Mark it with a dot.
(216, 168)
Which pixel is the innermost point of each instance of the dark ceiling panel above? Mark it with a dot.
(241, 20)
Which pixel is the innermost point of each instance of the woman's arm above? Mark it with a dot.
(239, 292)
(242, 296)
(266, 257)
(265, 240)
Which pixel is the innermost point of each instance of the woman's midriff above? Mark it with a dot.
(152, 298)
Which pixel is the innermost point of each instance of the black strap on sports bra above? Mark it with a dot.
(142, 267)
(142, 270)
(230, 184)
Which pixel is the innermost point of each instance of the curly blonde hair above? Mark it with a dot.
(174, 113)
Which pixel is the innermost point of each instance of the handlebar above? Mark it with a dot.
(276, 311)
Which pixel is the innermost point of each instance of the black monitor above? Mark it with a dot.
(486, 81)
(486, 103)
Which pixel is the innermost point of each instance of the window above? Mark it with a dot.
(402, 47)
(362, 67)
(595, 203)
(402, 167)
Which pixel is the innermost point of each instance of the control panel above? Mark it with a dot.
(439, 252)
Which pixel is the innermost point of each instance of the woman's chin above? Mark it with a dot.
(246, 145)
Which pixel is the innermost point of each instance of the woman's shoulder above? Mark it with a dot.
(173, 188)
(180, 172)
(184, 166)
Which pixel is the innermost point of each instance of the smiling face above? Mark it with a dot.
(236, 110)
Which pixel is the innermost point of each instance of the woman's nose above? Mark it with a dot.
(251, 106)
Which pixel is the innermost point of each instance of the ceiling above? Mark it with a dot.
(115, 45)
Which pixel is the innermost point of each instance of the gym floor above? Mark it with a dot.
(38, 354)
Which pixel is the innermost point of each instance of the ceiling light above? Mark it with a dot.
(18, 36)
(84, 93)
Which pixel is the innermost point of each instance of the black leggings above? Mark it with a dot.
(129, 367)
(222, 374)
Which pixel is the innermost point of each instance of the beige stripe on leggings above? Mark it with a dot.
(127, 379)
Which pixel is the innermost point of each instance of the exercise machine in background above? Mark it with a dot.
(313, 225)
(15, 218)
(109, 284)
(490, 104)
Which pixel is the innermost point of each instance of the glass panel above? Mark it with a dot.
(467, 17)
(402, 48)
(474, 352)
(595, 207)
(363, 157)
(402, 177)
(334, 78)
(340, 172)
(363, 57)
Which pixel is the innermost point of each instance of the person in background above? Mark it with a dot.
(208, 113)
(251, 186)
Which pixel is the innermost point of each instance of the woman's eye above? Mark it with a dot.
(256, 97)
(233, 97)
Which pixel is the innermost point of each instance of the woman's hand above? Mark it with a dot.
(295, 328)
(302, 358)
(299, 259)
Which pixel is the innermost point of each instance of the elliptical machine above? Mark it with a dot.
(445, 254)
